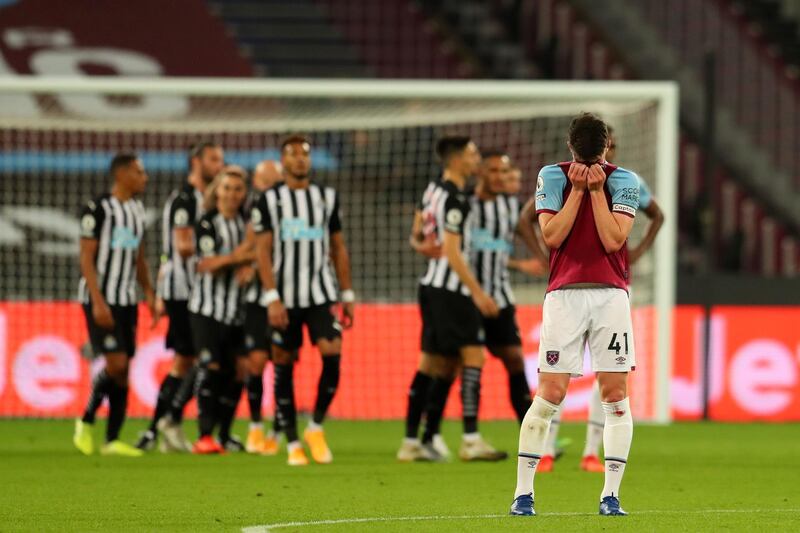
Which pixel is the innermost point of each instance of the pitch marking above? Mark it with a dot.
(311, 523)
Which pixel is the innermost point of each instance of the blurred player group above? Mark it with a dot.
(243, 272)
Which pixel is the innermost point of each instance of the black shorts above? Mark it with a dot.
(179, 331)
(121, 339)
(450, 321)
(215, 341)
(319, 320)
(503, 330)
(256, 330)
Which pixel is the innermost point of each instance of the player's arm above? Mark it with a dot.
(184, 241)
(91, 222)
(556, 217)
(455, 219)
(208, 250)
(247, 251)
(612, 227)
(656, 220)
(146, 283)
(527, 232)
(182, 213)
(341, 264)
(425, 247)
(270, 297)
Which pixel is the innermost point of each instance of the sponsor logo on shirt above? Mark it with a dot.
(297, 229)
(124, 238)
(484, 241)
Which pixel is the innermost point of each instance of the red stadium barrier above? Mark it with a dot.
(756, 365)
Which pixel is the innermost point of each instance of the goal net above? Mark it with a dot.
(373, 141)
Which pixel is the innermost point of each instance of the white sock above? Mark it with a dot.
(256, 425)
(552, 435)
(595, 424)
(313, 426)
(532, 436)
(617, 437)
(471, 437)
(292, 446)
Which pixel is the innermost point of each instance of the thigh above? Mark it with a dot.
(208, 339)
(611, 331)
(502, 331)
(125, 320)
(322, 324)
(179, 331)
(255, 328)
(563, 333)
(291, 338)
(456, 322)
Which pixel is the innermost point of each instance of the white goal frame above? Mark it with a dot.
(663, 94)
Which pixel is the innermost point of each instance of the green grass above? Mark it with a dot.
(675, 475)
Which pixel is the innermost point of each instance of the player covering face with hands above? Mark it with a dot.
(586, 209)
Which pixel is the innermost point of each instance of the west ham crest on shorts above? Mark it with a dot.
(552, 357)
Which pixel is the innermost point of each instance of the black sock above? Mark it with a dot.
(100, 388)
(208, 385)
(417, 399)
(276, 424)
(520, 394)
(228, 401)
(285, 410)
(117, 406)
(440, 390)
(327, 386)
(184, 394)
(166, 392)
(470, 397)
(255, 396)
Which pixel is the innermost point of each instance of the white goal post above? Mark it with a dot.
(367, 128)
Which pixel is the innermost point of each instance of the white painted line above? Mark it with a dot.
(312, 523)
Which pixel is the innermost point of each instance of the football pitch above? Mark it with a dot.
(693, 477)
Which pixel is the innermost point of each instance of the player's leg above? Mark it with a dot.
(170, 426)
(444, 370)
(325, 330)
(473, 446)
(101, 385)
(418, 393)
(207, 335)
(504, 342)
(564, 323)
(595, 424)
(256, 363)
(231, 393)
(285, 343)
(179, 340)
(613, 356)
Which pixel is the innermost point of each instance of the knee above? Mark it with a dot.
(512, 360)
(281, 357)
(118, 373)
(614, 395)
(181, 364)
(330, 346)
(552, 392)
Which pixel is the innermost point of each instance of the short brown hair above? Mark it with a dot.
(588, 137)
(121, 160)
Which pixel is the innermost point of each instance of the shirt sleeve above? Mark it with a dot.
(456, 211)
(624, 189)
(335, 222)
(182, 211)
(259, 215)
(92, 216)
(645, 196)
(550, 190)
(206, 237)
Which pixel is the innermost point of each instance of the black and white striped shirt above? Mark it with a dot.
(118, 227)
(494, 223)
(252, 293)
(302, 222)
(446, 208)
(183, 209)
(217, 294)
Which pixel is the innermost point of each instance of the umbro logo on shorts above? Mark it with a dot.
(552, 357)
(620, 360)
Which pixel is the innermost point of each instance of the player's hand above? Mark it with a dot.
(577, 176)
(156, 312)
(277, 315)
(101, 313)
(595, 178)
(245, 274)
(531, 266)
(430, 247)
(485, 304)
(347, 314)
